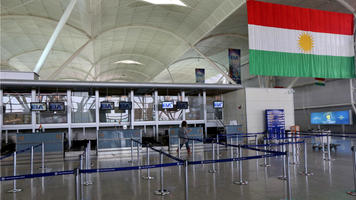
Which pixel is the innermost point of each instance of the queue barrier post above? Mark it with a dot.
(284, 170)
(329, 150)
(77, 184)
(306, 172)
(213, 168)
(148, 177)
(131, 161)
(193, 142)
(87, 165)
(323, 147)
(14, 190)
(43, 156)
(186, 180)
(241, 181)
(138, 153)
(161, 191)
(31, 159)
(289, 188)
(353, 193)
(265, 164)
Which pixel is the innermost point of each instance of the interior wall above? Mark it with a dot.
(334, 96)
(235, 108)
(260, 99)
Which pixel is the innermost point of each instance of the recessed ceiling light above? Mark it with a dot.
(166, 2)
(130, 62)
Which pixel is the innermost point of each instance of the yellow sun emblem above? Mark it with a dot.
(306, 42)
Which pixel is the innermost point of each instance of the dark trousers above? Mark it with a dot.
(186, 145)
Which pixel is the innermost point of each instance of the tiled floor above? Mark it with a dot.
(330, 180)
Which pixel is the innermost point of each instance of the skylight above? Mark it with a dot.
(130, 62)
(166, 2)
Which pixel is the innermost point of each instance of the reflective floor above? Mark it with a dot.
(331, 180)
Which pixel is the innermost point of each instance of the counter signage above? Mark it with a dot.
(38, 106)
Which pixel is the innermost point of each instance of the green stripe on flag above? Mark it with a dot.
(270, 63)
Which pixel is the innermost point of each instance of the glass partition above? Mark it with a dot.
(213, 113)
(83, 107)
(116, 115)
(52, 117)
(169, 114)
(143, 107)
(17, 108)
(196, 108)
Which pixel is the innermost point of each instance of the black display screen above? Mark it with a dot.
(106, 105)
(125, 105)
(182, 105)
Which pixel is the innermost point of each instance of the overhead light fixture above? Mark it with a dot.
(166, 2)
(130, 62)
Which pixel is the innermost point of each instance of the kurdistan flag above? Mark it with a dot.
(293, 41)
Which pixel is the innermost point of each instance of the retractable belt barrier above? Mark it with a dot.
(26, 176)
(18, 152)
(323, 135)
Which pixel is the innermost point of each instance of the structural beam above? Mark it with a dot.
(293, 82)
(54, 36)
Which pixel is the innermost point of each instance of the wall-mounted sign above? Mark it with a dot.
(125, 105)
(181, 105)
(218, 104)
(106, 105)
(275, 123)
(38, 106)
(56, 106)
(167, 105)
(332, 117)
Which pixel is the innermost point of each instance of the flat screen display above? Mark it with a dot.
(332, 117)
(106, 105)
(167, 105)
(182, 105)
(125, 105)
(38, 106)
(56, 106)
(218, 104)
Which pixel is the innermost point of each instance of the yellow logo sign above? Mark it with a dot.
(305, 42)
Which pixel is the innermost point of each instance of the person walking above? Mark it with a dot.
(183, 136)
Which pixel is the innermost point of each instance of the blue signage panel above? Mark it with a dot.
(333, 117)
(167, 105)
(275, 123)
(218, 104)
(125, 105)
(56, 106)
(38, 106)
(106, 105)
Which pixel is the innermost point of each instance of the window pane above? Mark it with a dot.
(17, 108)
(83, 107)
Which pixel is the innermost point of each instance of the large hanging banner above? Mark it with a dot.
(235, 65)
(299, 42)
(199, 75)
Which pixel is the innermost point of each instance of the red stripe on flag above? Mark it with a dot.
(290, 17)
(319, 79)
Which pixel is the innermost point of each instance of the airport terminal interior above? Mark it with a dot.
(177, 99)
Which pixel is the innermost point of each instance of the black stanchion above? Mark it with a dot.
(353, 193)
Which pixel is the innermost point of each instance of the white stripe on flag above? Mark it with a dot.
(286, 40)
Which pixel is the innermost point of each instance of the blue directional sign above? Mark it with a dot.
(332, 117)
(38, 106)
(56, 106)
(106, 105)
(275, 123)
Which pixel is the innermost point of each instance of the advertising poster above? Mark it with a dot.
(235, 65)
(332, 117)
(199, 75)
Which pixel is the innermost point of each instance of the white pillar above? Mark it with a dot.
(156, 113)
(132, 115)
(69, 117)
(183, 99)
(97, 107)
(205, 115)
(33, 113)
(54, 36)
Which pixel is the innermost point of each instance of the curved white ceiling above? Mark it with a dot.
(159, 36)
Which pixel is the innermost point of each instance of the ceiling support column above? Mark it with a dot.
(54, 36)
